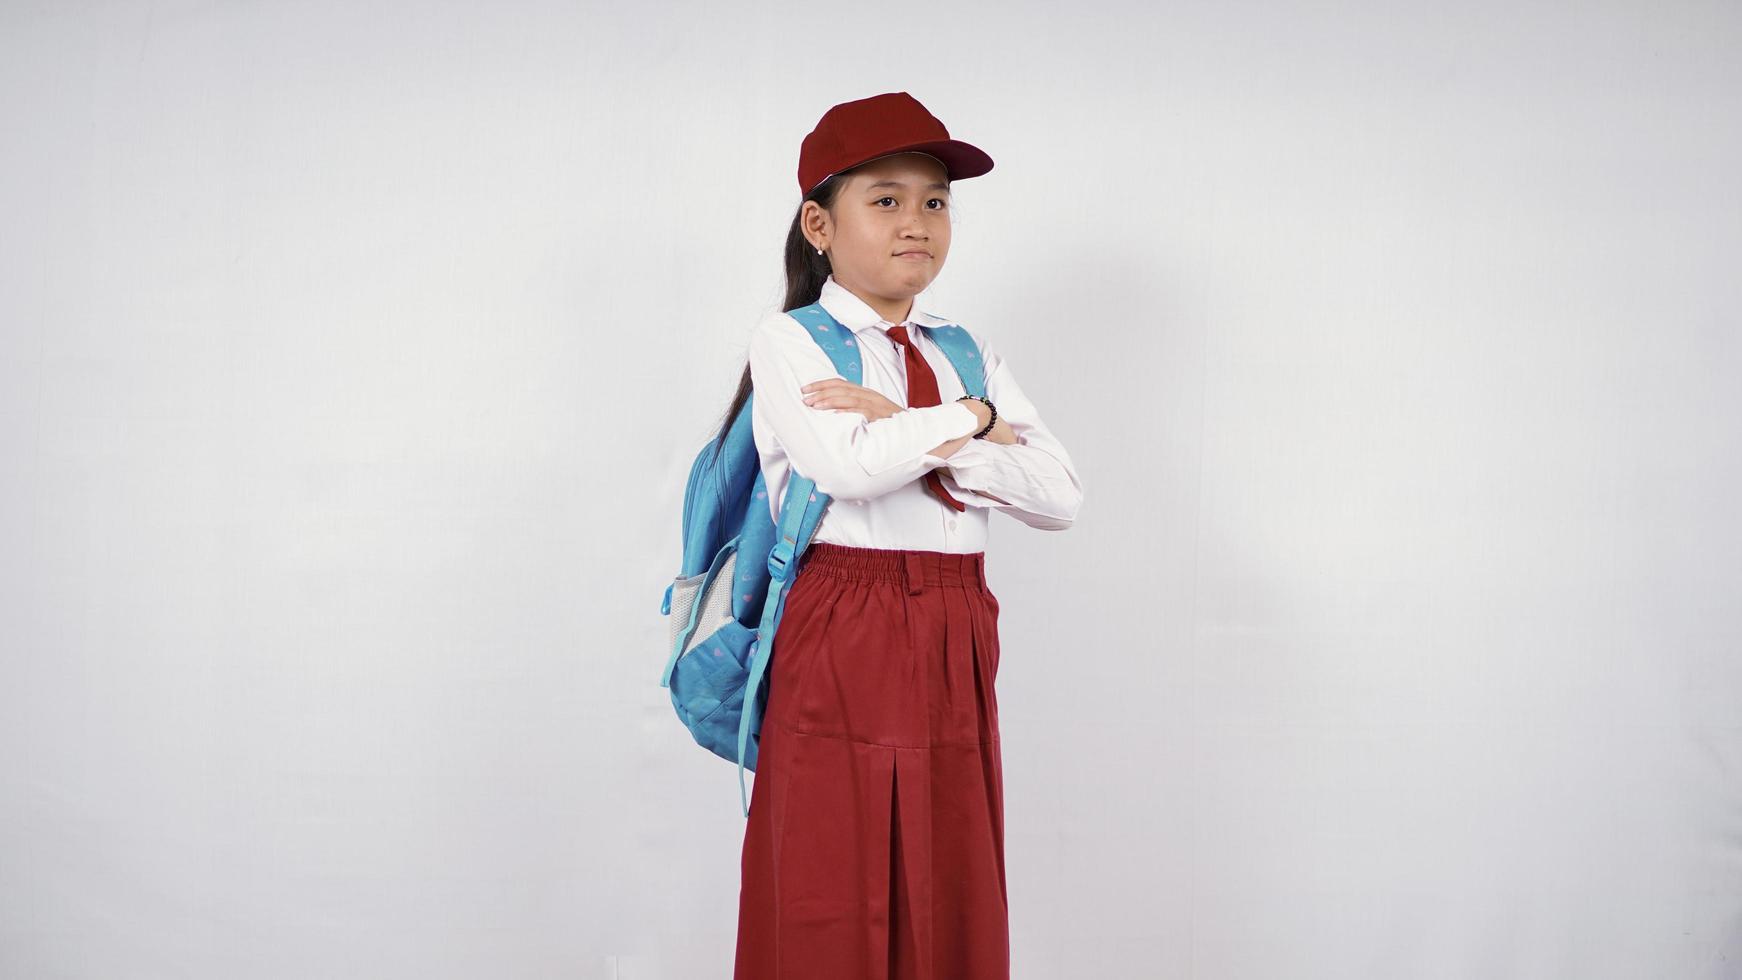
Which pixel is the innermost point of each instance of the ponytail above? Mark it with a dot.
(806, 271)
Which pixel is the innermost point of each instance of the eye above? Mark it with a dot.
(942, 203)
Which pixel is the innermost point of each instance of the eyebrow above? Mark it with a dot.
(896, 183)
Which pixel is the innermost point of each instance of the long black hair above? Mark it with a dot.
(806, 271)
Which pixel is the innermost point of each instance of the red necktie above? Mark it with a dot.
(922, 391)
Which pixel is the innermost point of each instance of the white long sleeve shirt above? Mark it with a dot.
(872, 470)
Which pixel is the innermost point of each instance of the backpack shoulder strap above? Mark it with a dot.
(962, 350)
(833, 337)
(800, 512)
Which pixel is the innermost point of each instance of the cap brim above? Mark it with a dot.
(961, 160)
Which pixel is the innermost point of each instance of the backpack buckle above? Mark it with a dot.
(779, 558)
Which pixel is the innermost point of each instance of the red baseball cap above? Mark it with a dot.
(857, 132)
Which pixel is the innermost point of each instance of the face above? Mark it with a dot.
(889, 230)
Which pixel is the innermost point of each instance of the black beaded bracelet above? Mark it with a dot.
(982, 398)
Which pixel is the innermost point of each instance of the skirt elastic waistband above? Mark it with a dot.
(899, 565)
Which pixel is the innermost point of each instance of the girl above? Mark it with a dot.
(875, 842)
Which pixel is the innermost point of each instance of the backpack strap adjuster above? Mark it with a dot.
(780, 558)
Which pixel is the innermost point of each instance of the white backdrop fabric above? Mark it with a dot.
(353, 357)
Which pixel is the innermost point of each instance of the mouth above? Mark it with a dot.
(915, 253)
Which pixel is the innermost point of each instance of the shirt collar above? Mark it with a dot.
(858, 316)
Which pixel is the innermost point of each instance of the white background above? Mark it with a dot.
(353, 358)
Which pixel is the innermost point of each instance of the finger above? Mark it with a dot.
(827, 383)
(839, 396)
(836, 401)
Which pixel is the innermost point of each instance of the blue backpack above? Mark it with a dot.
(721, 608)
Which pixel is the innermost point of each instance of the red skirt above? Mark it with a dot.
(875, 843)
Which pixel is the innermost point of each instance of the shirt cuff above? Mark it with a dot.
(945, 412)
(959, 472)
(977, 454)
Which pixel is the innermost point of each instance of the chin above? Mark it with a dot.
(916, 279)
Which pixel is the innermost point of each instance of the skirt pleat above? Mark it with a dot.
(874, 848)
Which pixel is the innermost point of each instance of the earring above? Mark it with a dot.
(819, 251)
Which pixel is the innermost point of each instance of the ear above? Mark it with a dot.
(815, 221)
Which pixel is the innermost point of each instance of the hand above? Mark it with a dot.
(1001, 432)
(843, 395)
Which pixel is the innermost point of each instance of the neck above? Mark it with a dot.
(895, 309)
